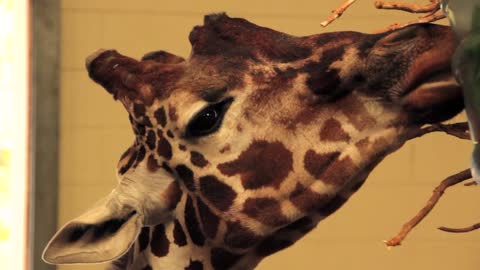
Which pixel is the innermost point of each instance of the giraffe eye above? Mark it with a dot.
(208, 120)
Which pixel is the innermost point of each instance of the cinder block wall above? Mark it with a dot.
(95, 131)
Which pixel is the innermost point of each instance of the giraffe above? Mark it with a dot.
(247, 145)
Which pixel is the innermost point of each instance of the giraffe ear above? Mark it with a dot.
(101, 234)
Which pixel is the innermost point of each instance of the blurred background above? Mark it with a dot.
(61, 135)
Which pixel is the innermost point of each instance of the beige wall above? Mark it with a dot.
(95, 131)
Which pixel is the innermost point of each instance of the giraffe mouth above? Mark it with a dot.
(433, 98)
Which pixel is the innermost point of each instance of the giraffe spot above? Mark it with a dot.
(179, 237)
(332, 131)
(262, 164)
(131, 160)
(164, 149)
(166, 167)
(186, 175)
(139, 129)
(218, 193)
(194, 265)
(172, 113)
(182, 147)
(151, 139)
(265, 210)
(146, 121)
(191, 222)
(140, 156)
(148, 267)
(223, 259)
(152, 164)
(357, 114)
(306, 199)
(332, 206)
(138, 110)
(208, 219)
(144, 238)
(160, 243)
(315, 164)
(198, 159)
(322, 80)
(173, 195)
(238, 236)
(126, 153)
(224, 149)
(170, 134)
(161, 117)
(272, 244)
(303, 225)
(339, 172)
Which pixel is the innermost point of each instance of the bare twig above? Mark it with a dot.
(461, 230)
(437, 193)
(337, 12)
(433, 6)
(438, 15)
(469, 184)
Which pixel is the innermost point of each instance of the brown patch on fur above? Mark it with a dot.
(254, 171)
(218, 193)
(192, 224)
(356, 113)
(225, 149)
(182, 147)
(173, 195)
(198, 159)
(186, 175)
(303, 225)
(223, 259)
(332, 206)
(151, 139)
(164, 149)
(179, 237)
(315, 164)
(332, 131)
(144, 239)
(194, 265)
(239, 236)
(140, 156)
(172, 113)
(152, 164)
(160, 243)
(161, 116)
(266, 210)
(339, 172)
(133, 155)
(307, 200)
(272, 244)
(208, 219)
(170, 134)
(138, 110)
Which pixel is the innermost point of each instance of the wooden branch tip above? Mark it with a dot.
(460, 230)
(337, 12)
(430, 8)
(437, 193)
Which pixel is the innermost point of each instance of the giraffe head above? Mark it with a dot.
(258, 135)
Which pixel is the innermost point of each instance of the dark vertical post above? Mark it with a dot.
(45, 126)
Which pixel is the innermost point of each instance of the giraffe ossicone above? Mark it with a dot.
(244, 147)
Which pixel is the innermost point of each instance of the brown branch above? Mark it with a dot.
(438, 15)
(469, 184)
(461, 230)
(437, 193)
(434, 6)
(337, 12)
